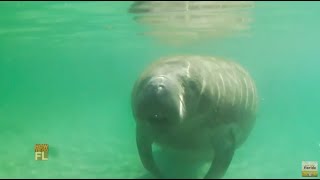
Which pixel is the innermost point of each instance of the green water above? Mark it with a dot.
(67, 69)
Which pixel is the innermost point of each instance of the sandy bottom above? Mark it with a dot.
(76, 152)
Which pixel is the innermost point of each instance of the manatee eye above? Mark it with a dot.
(158, 118)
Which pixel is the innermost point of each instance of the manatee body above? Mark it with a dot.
(198, 103)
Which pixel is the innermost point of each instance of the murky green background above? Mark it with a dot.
(67, 69)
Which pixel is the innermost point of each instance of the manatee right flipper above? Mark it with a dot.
(224, 148)
(144, 143)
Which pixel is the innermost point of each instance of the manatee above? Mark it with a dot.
(197, 103)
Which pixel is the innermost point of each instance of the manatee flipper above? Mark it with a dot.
(144, 144)
(224, 148)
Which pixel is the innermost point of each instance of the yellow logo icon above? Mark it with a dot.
(309, 169)
(41, 151)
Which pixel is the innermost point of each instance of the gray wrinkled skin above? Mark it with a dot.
(197, 103)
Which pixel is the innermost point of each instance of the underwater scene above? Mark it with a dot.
(124, 89)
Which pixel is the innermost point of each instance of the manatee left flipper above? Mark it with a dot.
(224, 148)
(144, 144)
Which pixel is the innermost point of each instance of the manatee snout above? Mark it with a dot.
(158, 102)
(157, 89)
